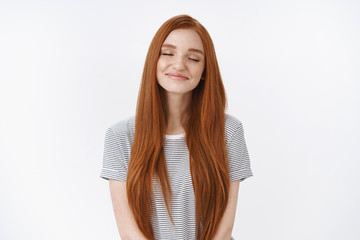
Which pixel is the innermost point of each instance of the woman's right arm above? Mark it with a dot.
(127, 226)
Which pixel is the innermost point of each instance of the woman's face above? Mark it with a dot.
(181, 62)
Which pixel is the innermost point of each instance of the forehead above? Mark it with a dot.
(184, 38)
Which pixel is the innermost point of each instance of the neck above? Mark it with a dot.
(176, 111)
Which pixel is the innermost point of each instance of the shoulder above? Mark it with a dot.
(123, 127)
(232, 125)
(232, 121)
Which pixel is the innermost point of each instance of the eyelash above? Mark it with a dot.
(195, 60)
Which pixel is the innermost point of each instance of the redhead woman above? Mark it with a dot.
(174, 168)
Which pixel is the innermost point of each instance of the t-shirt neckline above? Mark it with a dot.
(175, 136)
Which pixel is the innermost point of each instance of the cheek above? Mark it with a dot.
(198, 70)
(161, 65)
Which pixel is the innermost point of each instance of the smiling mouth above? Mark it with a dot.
(176, 77)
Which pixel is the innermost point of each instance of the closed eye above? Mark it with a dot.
(168, 54)
(194, 60)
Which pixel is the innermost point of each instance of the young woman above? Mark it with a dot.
(175, 167)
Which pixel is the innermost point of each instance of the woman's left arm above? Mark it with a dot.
(227, 222)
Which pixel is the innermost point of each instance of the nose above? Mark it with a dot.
(178, 63)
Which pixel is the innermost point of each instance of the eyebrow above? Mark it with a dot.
(190, 49)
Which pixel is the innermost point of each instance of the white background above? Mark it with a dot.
(70, 69)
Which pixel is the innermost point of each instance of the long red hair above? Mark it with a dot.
(205, 139)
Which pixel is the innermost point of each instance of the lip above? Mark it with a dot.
(176, 76)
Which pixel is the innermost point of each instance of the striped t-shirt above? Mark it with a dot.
(117, 148)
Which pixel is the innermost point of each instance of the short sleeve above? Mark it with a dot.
(239, 161)
(114, 166)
